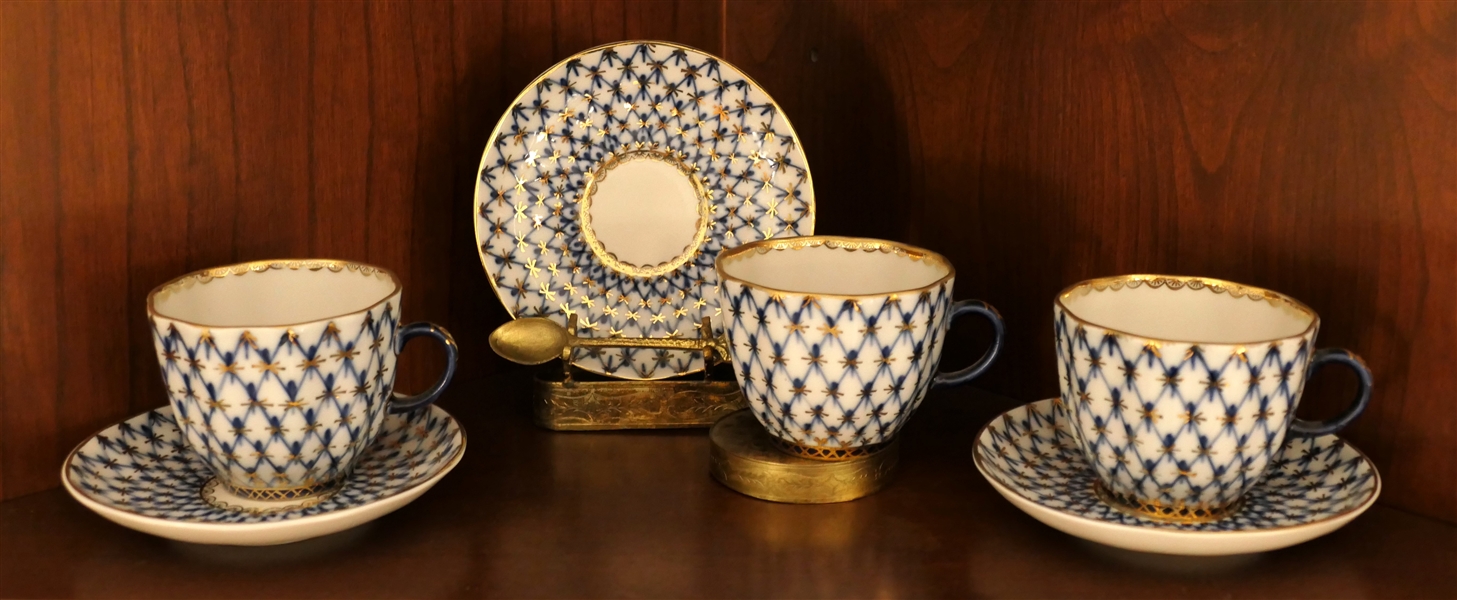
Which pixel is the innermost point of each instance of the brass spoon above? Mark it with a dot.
(535, 340)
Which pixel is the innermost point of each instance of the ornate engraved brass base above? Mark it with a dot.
(744, 457)
(590, 403)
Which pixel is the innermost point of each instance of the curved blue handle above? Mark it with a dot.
(402, 403)
(976, 307)
(1363, 395)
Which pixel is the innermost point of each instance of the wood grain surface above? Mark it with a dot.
(1306, 148)
(1309, 148)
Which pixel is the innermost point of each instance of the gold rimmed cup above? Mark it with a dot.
(1180, 390)
(835, 340)
(280, 372)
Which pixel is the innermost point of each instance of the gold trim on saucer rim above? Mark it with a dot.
(828, 453)
(1158, 511)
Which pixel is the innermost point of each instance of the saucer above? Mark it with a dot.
(1312, 487)
(141, 474)
(615, 179)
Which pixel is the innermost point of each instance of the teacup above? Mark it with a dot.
(280, 373)
(1181, 389)
(835, 340)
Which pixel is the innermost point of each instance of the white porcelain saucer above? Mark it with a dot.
(141, 474)
(615, 179)
(1313, 487)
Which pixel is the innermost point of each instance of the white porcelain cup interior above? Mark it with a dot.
(272, 298)
(833, 270)
(1188, 315)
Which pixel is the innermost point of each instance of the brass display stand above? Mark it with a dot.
(570, 400)
(588, 402)
(743, 456)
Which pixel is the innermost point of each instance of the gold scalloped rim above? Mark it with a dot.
(1179, 282)
(205, 276)
(849, 244)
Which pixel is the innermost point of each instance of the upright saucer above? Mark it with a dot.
(141, 474)
(1313, 487)
(616, 178)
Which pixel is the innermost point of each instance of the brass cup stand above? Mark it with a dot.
(743, 456)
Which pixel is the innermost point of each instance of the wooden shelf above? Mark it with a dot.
(531, 513)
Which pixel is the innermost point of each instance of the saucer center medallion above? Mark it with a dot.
(645, 213)
(612, 183)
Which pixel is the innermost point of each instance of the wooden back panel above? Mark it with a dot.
(1307, 148)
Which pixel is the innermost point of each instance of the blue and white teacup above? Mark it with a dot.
(836, 340)
(1181, 389)
(280, 373)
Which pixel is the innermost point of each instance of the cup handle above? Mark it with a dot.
(402, 403)
(976, 307)
(1303, 427)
